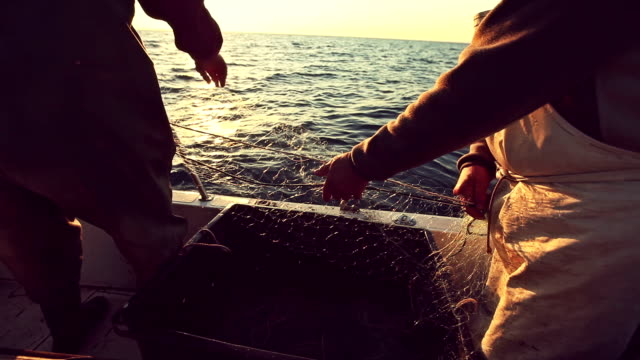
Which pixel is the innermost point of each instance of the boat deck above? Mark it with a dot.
(106, 273)
(22, 325)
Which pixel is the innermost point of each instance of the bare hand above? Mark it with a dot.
(213, 69)
(472, 186)
(342, 182)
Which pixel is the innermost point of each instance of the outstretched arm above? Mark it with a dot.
(195, 32)
(523, 55)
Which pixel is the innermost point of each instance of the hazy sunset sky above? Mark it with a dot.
(442, 20)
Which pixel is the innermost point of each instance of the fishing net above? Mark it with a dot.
(408, 236)
(276, 162)
(442, 270)
(312, 285)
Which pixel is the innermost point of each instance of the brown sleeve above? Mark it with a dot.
(479, 154)
(194, 29)
(523, 55)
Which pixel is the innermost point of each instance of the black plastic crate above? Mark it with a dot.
(267, 283)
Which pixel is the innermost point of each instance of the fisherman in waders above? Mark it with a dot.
(553, 90)
(85, 134)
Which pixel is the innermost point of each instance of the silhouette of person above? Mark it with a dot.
(85, 134)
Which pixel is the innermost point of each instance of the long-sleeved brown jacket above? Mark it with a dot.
(194, 29)
(52, 33)
(524, 54)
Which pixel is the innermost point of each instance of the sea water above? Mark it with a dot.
(313, 95)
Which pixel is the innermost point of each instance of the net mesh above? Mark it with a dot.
(444, 269)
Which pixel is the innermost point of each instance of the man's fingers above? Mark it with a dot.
(465, 193)
(220, 79)
(456, 189)
(475, 195)
(341, 196)
(205, 76)
(329, 192)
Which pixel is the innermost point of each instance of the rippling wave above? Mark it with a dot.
(311, 94)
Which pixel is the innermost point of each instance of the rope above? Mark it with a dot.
(248, 143)
(448, 200)
(312, 185)
(246, 180)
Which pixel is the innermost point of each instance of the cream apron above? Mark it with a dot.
(564, 233)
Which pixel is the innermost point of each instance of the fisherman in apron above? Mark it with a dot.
(553, 89)
(85, 134)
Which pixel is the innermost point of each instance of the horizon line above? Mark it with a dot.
(317, 35)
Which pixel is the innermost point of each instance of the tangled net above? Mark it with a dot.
(412, 265)
(426, 279)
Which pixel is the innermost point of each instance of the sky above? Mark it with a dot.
(433, 20)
